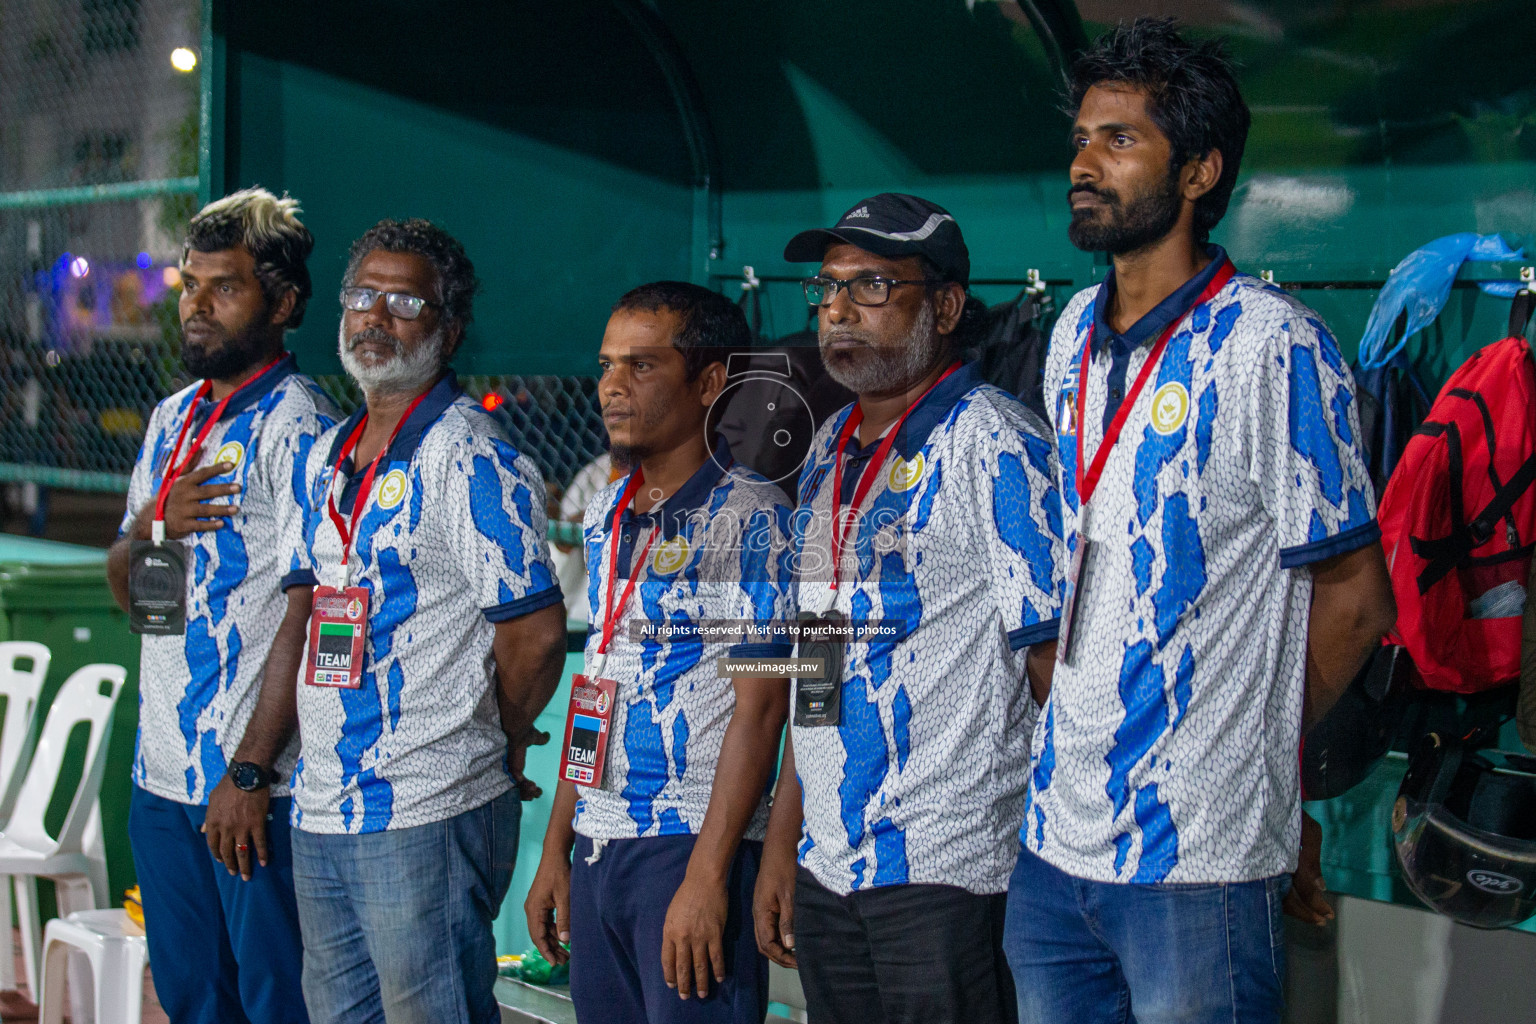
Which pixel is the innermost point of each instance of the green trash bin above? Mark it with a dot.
(57, 594)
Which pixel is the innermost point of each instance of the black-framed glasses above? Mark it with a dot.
(400, 304)
(866, 290)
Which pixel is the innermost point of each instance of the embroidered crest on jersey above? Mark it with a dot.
(232, 452)
(392, 489)
(671, 555)
(906, 475)
(1170, 407)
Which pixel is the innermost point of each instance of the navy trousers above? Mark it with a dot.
(618, 908)
(223, 950)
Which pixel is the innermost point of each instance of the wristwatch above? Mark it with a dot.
(250, 776)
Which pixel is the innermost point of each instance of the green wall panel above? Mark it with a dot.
(556, 236)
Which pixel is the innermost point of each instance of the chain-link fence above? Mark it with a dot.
(98, 170)
(99, 116)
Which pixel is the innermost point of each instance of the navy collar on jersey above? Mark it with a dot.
(439, 397)
(674, 512)
(1160, 316)
(935, 405)
(253, 391)
(914, 433)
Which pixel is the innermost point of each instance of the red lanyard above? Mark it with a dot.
(867, 477)
(612, 612)
(347, 528)
(1088, 482)
(173, 470)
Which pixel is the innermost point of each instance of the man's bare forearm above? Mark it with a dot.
(741, 775)
(1039, 669)
(276, 717)
(530, 655)
(560, 834)
(785, 818)
(118, 555)
(1352, 609)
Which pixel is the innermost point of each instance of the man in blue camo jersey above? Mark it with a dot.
(227, 454)
(423, 542)
(1227, 580)
(928, 520)
(658, 904)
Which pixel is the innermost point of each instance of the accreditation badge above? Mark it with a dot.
(586, 730)
(818, 699)
(1076, 584)
(338, 625)
(157, 587)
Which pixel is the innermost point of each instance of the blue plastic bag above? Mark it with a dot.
(1421, 283)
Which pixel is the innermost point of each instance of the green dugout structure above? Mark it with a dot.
(579, 149)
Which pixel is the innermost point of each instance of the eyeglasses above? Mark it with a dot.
(869, 290)
(399, 304)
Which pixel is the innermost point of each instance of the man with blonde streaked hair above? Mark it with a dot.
(217, 486)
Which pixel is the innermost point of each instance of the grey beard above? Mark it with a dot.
(888, 370)
(406, 373)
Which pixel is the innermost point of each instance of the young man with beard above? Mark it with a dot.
(667, 827)
(436, 636)
(928, 523)
(220, 481)
(1227, 580)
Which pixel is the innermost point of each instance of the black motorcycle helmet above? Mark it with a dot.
(1464, 826)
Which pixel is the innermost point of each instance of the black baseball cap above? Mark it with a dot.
(892, 225)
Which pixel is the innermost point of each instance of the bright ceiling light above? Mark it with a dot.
(183, 59)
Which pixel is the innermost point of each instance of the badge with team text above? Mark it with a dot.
(586, 730)
(1076, 582)
(338, 625)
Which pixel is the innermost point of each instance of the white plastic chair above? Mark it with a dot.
(116, 958)
(76, 860)
(20, 687)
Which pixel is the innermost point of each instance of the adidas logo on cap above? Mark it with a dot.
(862, 211)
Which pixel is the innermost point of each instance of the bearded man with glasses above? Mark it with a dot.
(436, 635)
(925, 543)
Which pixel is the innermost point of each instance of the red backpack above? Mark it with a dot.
(1458, 520)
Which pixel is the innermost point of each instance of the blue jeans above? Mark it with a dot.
(225, 951)
(397, 924)
(1105, 953)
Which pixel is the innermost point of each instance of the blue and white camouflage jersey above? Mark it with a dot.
(923, 779)
(451, 542)
(197, 691)
(722, 555)
(1168, 750)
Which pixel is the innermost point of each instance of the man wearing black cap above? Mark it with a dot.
(925, 542)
